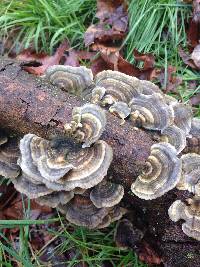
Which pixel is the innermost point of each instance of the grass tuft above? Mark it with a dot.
(42, 24)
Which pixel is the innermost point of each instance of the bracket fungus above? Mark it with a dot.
(151, 111)
(121, 109)
(55, 198)
(162, 174)
(190, 178)
(175, 136)
(74, 80)
(118, 86)
(106, 194)
(87, 125)
(9, 154)
(81, 211)
(190, 214)
(63, 169)
(182, 116)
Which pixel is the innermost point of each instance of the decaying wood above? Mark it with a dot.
(31, 105)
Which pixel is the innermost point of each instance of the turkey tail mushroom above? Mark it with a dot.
(118, 87)
(175, 136)
(182, 116)
(9, 154)
(106, 194)
(190, 178)
(88, 123)
(162, 174)
(81, 211)
(151, 112)
(74, 80)
(190, 214)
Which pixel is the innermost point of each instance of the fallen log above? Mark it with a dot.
(31, 105)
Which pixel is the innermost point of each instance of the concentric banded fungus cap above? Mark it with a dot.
(182, 116)
(40, 162)
(190, 179)
(91, 167)
(74, 80)
(115, 214)
(195, 127)
(56, 198)
(119, 86)
(190, 213)
(149, 88)
(162, 174)
(106, 194)
(81, 211)
(175, 136)
(97, 95)
(9, 153)
(24, 186)
(88, 123)
(151, 111)
(121, 109)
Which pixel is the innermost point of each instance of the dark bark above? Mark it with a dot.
(31, 104)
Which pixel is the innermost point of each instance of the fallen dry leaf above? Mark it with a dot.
(112, 25)
(43, 60)
(187, 58)
(15, 209)
(148, 254)
(115, 61)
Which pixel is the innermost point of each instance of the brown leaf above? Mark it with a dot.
(186, 58)
(193, 33)
(148, 254)
(115, 61)
(43, 59)
(15, 209)
(112, 25)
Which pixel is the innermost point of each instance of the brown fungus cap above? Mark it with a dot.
(190, 178)
(9, 153)
(88, 123)
(24, 186)
(182, 116)
(190, 214)
(175, 136)
(91, 167)
(74, 80)
(162, 174)
(56, 198)
(151, 111)
(115, 214)
(106, 194)
(81, 211)
(119, 86)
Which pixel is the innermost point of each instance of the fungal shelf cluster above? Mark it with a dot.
(70, 172)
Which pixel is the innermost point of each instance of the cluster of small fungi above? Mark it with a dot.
(70, 172)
